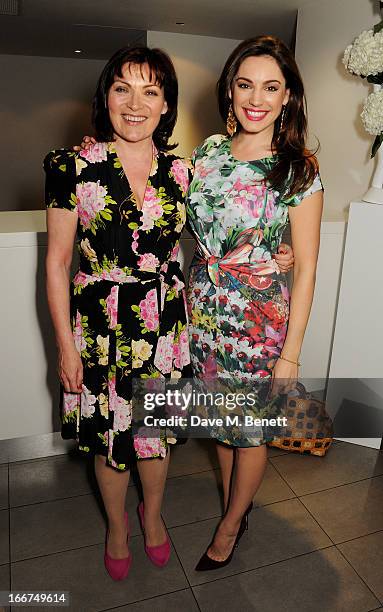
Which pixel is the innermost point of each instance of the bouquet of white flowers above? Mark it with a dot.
(365, 56)
(365, 59)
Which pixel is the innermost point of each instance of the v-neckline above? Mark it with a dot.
(112, 149)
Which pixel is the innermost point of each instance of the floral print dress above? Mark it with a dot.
(128, 309)
(238, 299)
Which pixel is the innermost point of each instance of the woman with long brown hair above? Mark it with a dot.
(246, 187)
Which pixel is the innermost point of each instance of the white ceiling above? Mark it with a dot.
(58, 27)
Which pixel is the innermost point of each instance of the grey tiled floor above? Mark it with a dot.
(315, 539)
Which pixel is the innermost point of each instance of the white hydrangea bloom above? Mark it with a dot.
(365, 56)
(372, 113)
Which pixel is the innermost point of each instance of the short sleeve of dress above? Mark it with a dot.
(180, 170)
(207, 147)
(60, 182)
(316, 185)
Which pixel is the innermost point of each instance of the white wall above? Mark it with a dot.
(44, 104)
(28, 353)
(356, 361)
(198, 61)
(334, 97)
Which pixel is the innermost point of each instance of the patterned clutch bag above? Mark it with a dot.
(309, 428)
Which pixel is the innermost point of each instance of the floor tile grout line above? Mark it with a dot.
(281, 476)
(316, 521)
(210, 518)
(34, 503)
(345, 484)
(323, 529)
(146, 599)
(48, 501)
(184, 571)
(366, 535)
(357, 573)
(337, 544)
(56, 499)
(66, 550)
(259, 567)
(169, 528)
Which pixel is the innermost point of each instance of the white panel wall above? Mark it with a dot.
(358, 338)
(334, 97)
(29, 385)
(45, 103)
(198, 61)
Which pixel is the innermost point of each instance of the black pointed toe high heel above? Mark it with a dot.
(206, 563)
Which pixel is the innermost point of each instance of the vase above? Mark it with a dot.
(375, 192)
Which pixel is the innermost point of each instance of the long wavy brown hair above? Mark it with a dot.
(296, 166)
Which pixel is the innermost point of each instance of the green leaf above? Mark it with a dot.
(377, 142)
(133, 226)
(136, 309)
(106, 215)
(62, 167)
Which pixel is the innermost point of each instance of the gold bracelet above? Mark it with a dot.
(289, 360)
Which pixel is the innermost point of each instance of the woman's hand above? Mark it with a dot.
(284, 257)
(70, 370)
(284, 377)
(86, 143)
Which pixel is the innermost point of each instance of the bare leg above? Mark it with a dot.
(250, 465)
(153, 474)
(226, 461)
(113, 486)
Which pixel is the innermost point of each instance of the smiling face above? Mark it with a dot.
(258, 94)
(135, 103)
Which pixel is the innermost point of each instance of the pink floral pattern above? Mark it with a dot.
(146, 445)
(127, 293)
(112, 306)
(163, 358)
(148, 261)
(180, 173)
(148, 310)
(95, 154)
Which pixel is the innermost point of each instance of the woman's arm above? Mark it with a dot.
(305, 222)
(62, 225)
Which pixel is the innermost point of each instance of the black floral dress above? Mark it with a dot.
(128, 308)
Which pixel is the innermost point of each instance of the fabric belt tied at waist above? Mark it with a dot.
(236, 264)
(169, 273)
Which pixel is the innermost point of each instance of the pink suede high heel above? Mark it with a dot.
(118, 569)
(159, 555)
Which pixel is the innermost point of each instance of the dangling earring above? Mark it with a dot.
(231, 122)
(282, 118)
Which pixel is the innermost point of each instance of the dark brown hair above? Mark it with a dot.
(296, 165)
(161, 68)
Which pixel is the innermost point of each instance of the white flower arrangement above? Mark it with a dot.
(365, 59)
(372, 113)
(365, 56)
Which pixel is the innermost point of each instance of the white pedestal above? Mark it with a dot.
(357, 352)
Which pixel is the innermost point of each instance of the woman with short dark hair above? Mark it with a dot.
(123, 316)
